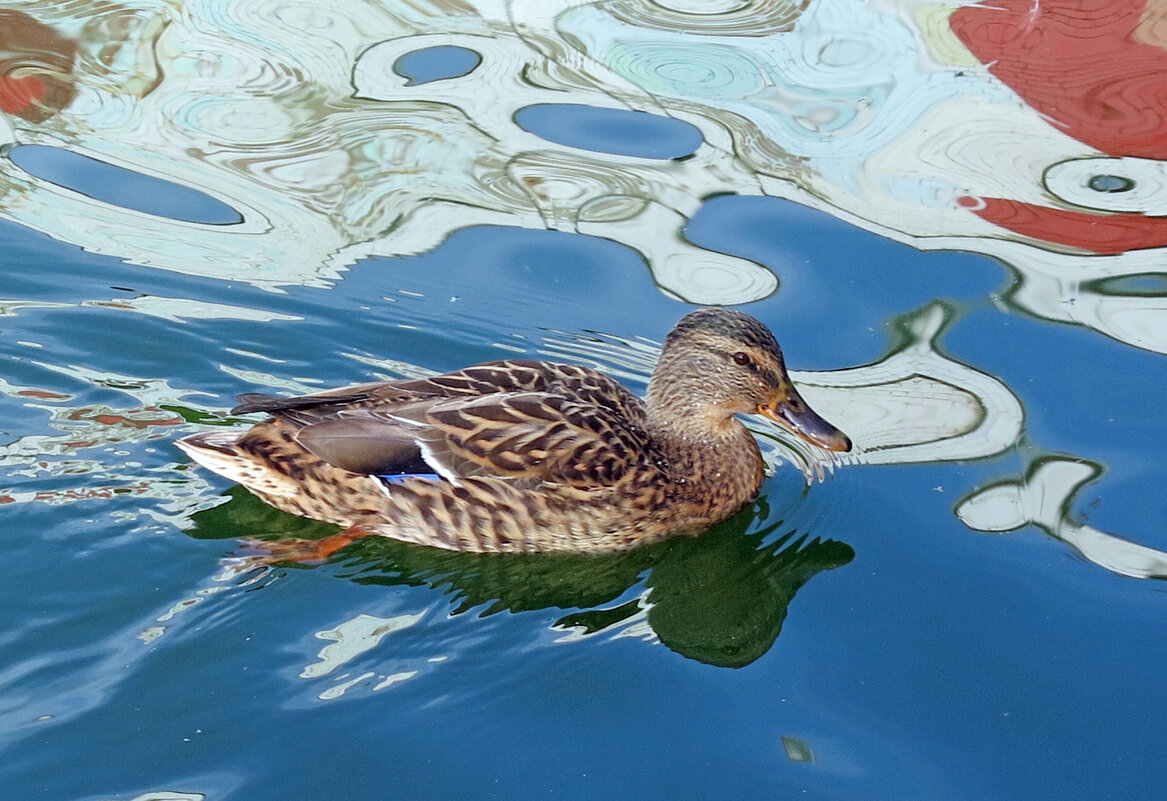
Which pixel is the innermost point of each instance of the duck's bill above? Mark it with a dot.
(795, 416)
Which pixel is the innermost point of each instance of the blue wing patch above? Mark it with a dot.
(397, 478)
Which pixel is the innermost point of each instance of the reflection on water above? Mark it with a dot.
(719, 599)
(436, 63)
(335, 136)
(35, 68)
(120, 187)
(613, 131)
(98, 440)
(1043, 499)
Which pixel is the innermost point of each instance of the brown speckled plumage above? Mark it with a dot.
(517, 456)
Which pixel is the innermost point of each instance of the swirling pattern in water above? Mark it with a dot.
(1044, 498)
(1119, 185)
(715, 18)
(837, 100)
(722, 72)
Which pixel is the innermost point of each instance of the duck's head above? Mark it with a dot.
(720, 362)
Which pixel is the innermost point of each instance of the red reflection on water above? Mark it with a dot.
(1098, 68)
(35, 67)
(17, 94)
(1105, 234)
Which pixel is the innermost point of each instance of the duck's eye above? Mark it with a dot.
(741, 358)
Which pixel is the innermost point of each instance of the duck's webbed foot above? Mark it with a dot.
(298, 550)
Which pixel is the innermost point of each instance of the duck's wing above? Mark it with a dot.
(526, 421)
(509, 376)
(321, 406)
(539, 436)
(523, 437)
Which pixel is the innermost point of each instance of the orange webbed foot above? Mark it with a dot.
(301, 551)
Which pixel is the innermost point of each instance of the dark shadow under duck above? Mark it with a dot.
(522, 456)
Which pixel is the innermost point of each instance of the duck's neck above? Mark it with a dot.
(709, 456)
(686, 438)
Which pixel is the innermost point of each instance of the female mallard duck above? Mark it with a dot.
(528, 456)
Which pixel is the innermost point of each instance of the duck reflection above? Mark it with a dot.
(720, 598)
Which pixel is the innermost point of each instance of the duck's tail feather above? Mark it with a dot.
(218, 451)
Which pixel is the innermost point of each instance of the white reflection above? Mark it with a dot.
(1111, 184)
(345, 159)
(876, 112)
(102, 441)
(352, 638)
(1043, 499)
(340, 688)
(179, 310)
(917, 405)
(394, 678)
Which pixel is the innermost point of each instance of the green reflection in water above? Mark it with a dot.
(720, 598)
(1146, 285)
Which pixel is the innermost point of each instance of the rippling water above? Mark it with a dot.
(950, 214)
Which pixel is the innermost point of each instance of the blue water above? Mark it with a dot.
(848, 640)
(608, 130)
(935, 663)
(120, 186)
(436, 63)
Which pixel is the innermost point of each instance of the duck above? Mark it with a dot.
(521, 456)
